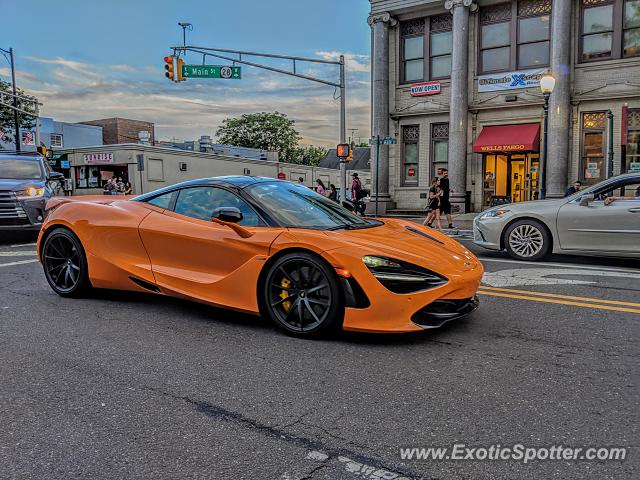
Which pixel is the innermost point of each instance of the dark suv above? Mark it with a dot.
(26, 183)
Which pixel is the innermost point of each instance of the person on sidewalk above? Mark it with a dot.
(445, 204)
(435, 197)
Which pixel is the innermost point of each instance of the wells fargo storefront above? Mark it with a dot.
(510, 162)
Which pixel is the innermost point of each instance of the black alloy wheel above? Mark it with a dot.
(302, 296)
(65, 263)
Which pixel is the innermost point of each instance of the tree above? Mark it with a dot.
(309, 155)
(7, 121)
(265, 130)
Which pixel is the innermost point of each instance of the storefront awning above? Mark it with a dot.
(508, 138)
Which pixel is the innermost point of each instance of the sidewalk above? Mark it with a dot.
(462, 223)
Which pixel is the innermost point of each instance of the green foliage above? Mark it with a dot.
(7, 123)
(265, 130)
(309, 155)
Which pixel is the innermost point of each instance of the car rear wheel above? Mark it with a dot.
(302, 296)
(527, 240)
(65, 263)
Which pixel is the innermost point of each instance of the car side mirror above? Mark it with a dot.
(229, 217)
(586, 199)
(227, 214)
(55, 177)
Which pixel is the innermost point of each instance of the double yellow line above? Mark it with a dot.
(597, 303)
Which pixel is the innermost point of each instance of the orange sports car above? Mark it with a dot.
(263, 246)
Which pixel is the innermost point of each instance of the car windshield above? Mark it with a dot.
(297, 206)
(19, 169)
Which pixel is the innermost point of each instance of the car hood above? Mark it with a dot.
(410, 242)
(9, 184)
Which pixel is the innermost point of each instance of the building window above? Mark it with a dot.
(155, 170)
(609, 29)
(514, 36)
(439, 148)
(410, 140)
(56, 140)
(593, 146)
(633, 141)
(432, 35)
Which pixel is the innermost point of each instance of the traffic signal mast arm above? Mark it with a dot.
(216, 53)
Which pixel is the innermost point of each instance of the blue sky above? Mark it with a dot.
(94, 59)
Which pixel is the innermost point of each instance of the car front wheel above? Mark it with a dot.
(527, 240)
(302, 296)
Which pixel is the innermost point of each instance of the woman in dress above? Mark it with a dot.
(435, 195)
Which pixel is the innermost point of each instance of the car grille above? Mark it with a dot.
(441, 311)
(11, 212)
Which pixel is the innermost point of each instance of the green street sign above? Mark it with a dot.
(211, 71)
(383, 141)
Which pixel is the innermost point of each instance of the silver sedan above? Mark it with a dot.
(602, 220)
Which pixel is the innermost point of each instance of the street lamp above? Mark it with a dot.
(547, 82)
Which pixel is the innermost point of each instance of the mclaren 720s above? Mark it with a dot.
(262, 246)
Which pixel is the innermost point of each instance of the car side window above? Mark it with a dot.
(200, 202)
(629, 189)
(162, 201)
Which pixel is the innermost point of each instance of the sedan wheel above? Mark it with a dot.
(64, 262)
(527, 240)
(302, 295)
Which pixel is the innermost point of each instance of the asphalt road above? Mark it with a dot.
(139, 386)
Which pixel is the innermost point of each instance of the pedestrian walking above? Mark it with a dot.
(300, 180)
(576, 187)
(357, 193)
(433, 207)
(445, 204)
(320, 188)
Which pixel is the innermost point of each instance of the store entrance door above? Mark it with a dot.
(510, 177)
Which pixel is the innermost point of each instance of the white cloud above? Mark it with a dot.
(354, 62)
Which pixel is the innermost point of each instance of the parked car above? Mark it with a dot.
(584, 223)
(26, 183)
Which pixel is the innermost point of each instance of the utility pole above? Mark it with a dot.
(241, 59)
(15, 101)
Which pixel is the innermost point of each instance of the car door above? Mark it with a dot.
(193, 256)
(596, 227)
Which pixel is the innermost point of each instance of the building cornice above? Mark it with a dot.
(384, 17)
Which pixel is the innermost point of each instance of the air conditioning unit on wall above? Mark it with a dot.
(183, 166)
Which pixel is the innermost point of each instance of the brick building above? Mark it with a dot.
(457, 83)
(123, 130)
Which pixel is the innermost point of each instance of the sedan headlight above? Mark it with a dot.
(402, 277)
(494, 213)
(30, 192)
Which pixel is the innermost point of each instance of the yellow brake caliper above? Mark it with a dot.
(284, 283)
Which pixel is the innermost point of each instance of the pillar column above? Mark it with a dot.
(559, 101)
(459, 103)
(380, 24)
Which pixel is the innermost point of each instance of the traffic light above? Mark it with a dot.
(343, 151)
(168, 66)
(179, 63)
(42, 150)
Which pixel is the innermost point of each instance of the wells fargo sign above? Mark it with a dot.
(502, 148)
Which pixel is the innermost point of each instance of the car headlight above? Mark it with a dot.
(402, 277)
(494, 213)
(30, 192)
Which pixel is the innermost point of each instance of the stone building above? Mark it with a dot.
(123, 130)
(457, 83)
